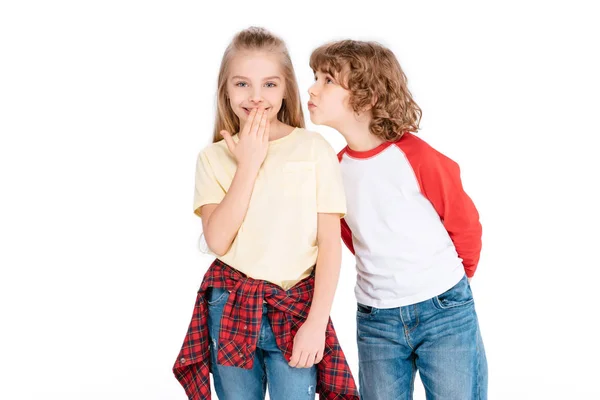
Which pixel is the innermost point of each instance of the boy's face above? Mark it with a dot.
(255, 80)
(328, 103)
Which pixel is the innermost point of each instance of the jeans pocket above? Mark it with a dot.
(216, 296)
(364, 311)
(459, 295)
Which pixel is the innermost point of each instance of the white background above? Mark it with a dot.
(105, 105)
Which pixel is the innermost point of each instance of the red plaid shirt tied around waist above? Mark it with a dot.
(240, 326)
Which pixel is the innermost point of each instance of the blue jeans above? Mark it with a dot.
(438, 337)
(270, 366)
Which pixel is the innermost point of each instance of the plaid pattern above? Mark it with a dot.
(240, 327)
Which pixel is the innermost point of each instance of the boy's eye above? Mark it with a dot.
(328, 80)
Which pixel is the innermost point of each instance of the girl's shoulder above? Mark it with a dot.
(312, 137)
(216, 150)
(320, 144)
(313, 145)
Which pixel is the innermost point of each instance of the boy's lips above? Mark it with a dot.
(311, 105)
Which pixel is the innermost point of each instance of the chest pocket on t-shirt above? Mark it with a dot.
(299, 179)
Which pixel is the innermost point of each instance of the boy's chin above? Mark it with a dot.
(316, 121)
(322, 123)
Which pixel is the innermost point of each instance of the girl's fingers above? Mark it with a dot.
(295, 357)
(267, 131)
(256, 122)
(249, 122)
(262, 126)
(304, 357)
(319, 357)
(228, 140)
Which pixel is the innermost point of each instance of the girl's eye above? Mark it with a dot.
(270, 84)
(241, 84)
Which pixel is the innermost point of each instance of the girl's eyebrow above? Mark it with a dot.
(264, 79)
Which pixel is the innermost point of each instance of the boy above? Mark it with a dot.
(414, 231)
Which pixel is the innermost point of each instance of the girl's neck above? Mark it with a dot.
(279, 130)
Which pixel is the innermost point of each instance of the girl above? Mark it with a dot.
(270, 196)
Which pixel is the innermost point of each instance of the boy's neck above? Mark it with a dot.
(360, 138)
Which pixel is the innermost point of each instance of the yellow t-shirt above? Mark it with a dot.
(299, 178)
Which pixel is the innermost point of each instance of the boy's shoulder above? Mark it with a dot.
(412, 145)
(411, 142)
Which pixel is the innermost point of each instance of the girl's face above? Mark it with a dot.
(328, 103)
(255, 80)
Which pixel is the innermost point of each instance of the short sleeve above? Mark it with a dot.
(208, 190)
(330, 188)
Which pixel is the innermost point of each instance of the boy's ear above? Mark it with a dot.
(373, 100)
(370, 106)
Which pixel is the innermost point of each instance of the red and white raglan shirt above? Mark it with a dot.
(413, 229)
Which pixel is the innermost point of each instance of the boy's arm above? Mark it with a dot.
(347, 236)
(346, 232)
(441, 184)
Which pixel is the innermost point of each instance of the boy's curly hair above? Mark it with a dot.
(375, 79)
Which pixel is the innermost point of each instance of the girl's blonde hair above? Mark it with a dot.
(257, 39)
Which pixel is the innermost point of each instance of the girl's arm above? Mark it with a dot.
(222, 221)
(309, 342)
(327, 271)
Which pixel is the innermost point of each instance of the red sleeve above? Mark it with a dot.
(439, 179)
(346, 232)
(347, 236)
